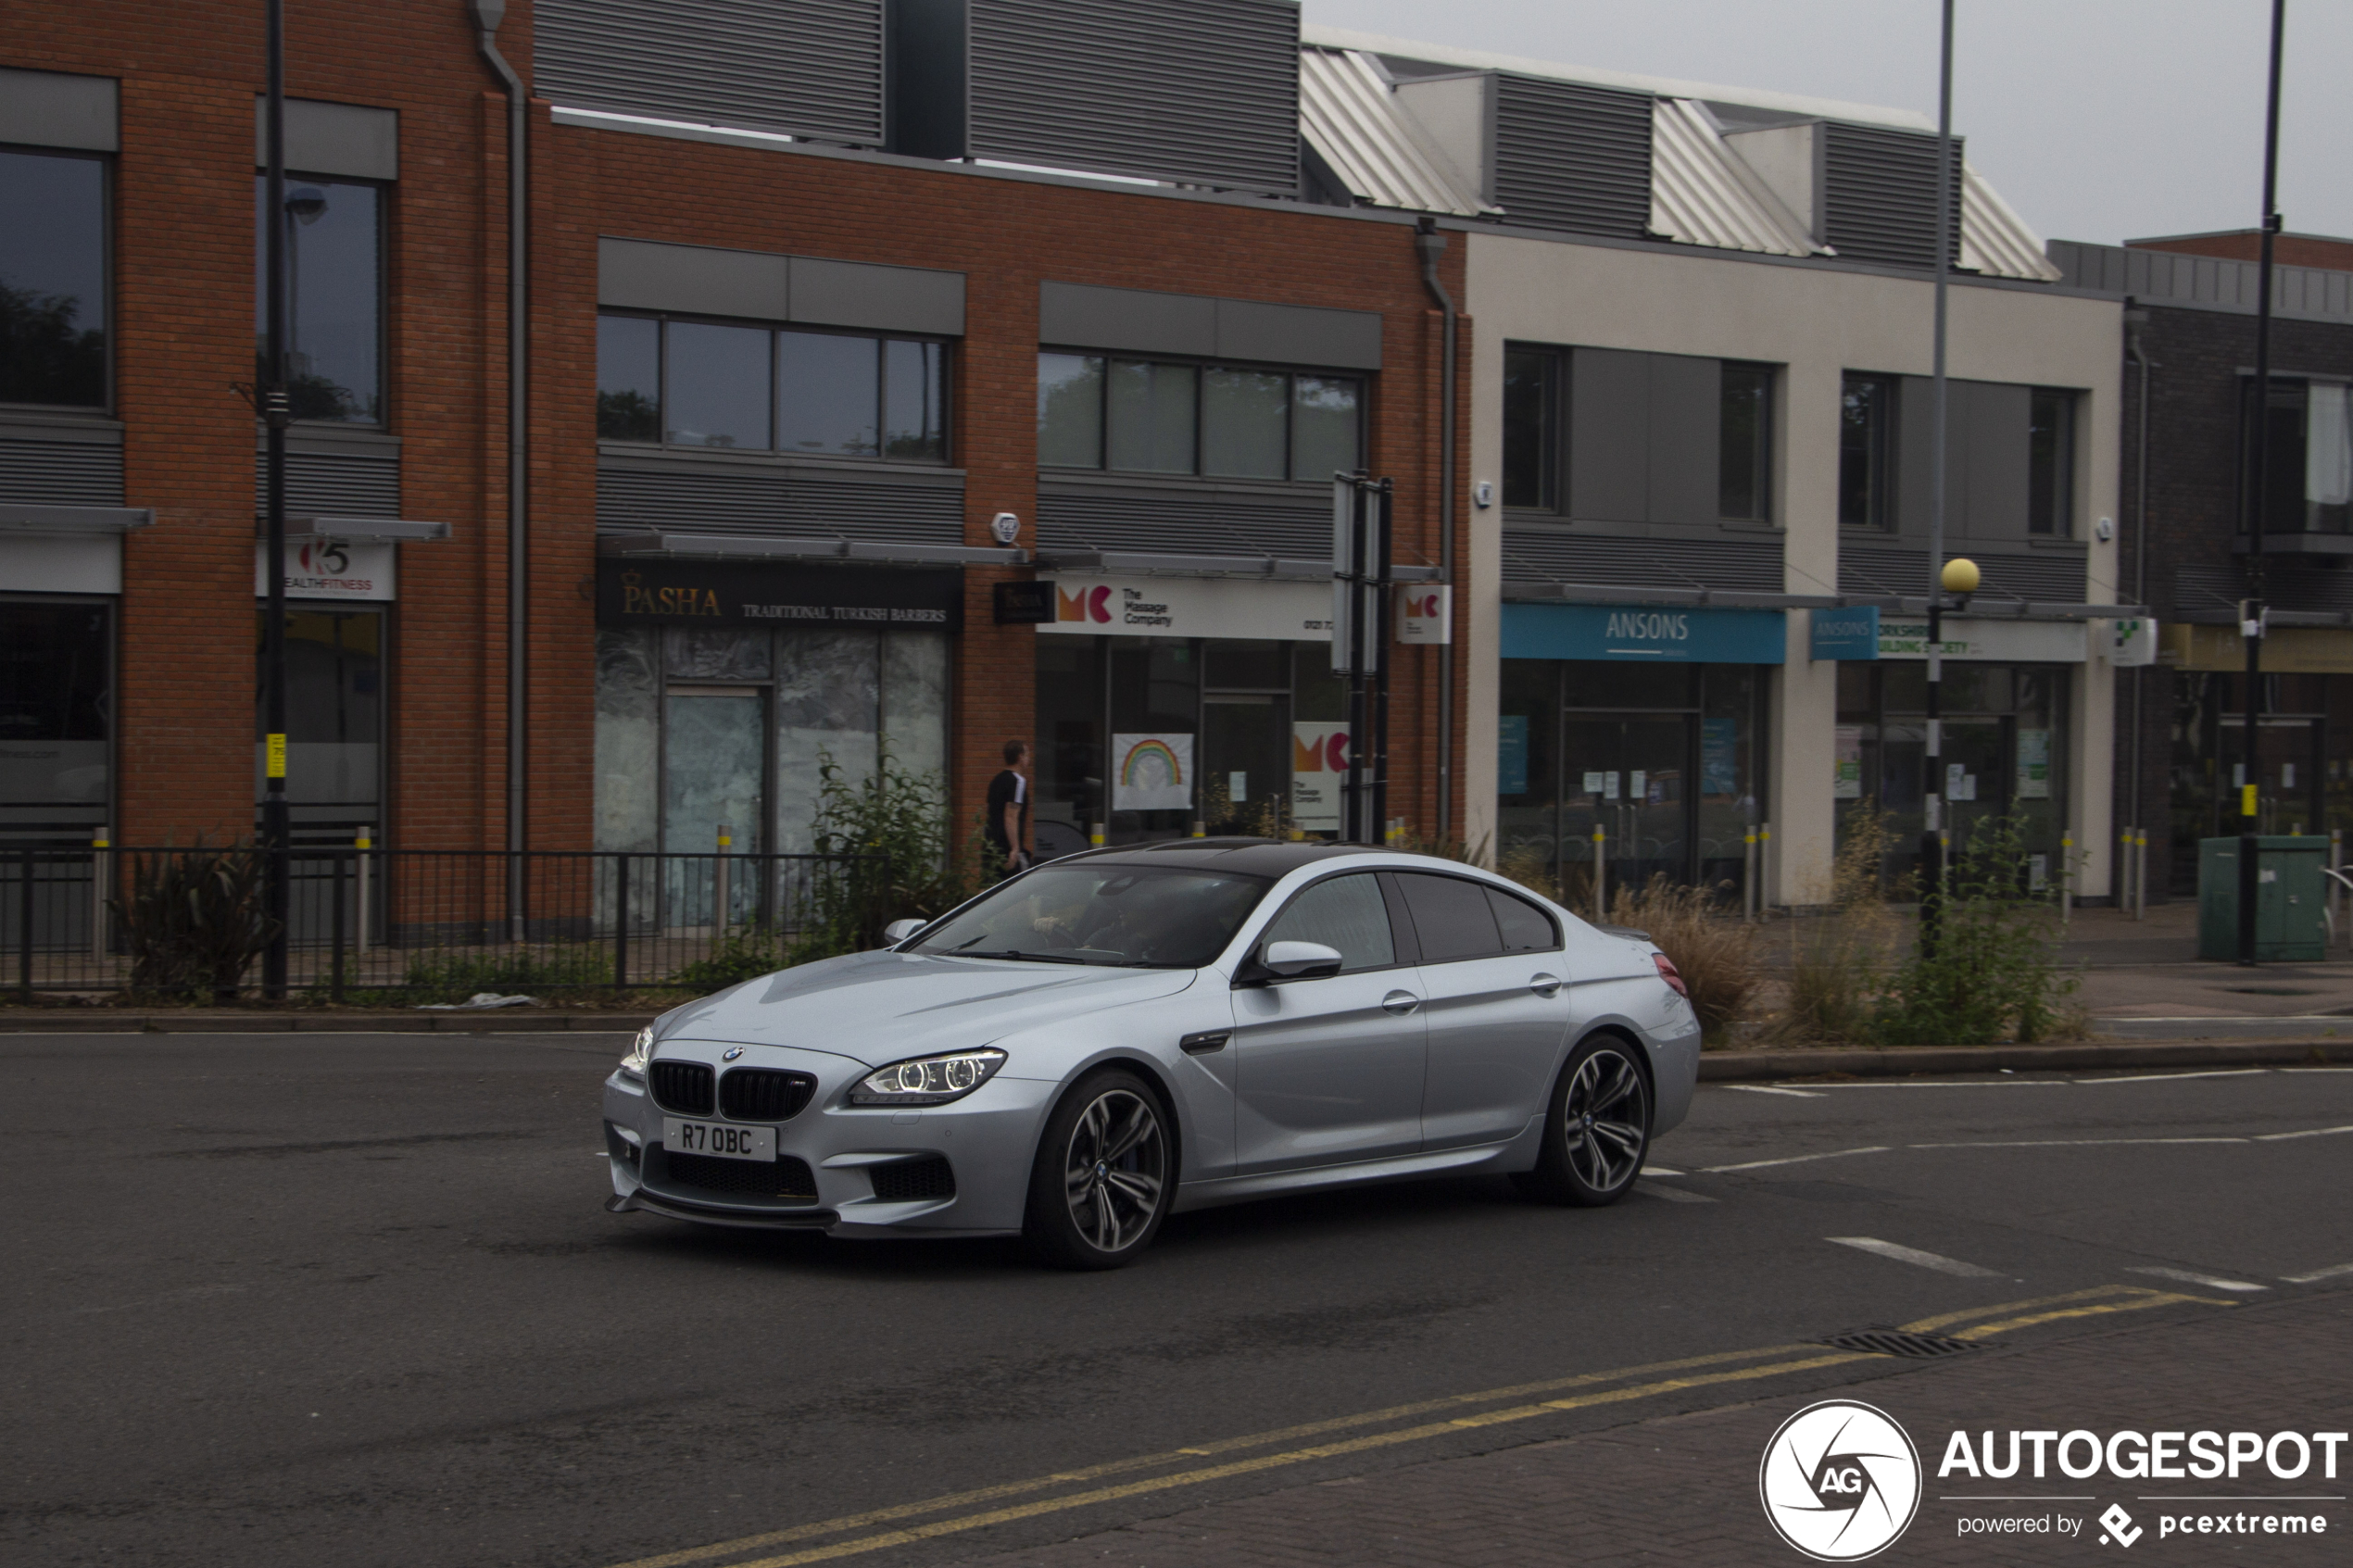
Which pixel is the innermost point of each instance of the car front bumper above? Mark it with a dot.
(860, 1162)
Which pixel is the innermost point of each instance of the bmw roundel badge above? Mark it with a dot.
(731, 1053)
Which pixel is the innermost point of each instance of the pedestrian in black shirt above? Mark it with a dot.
(1008, 823)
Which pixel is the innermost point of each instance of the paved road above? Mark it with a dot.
(351, 1300)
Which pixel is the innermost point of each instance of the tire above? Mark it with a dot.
(1597, 1127)
(1104, 1174)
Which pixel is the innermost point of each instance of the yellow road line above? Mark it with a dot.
(1295, 1456)
(1941, 1319)
(2154, 1298)
(1200, 1450)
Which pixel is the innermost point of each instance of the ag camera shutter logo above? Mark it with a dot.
(1839, 1481)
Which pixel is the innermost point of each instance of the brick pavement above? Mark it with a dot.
(1682, 1489)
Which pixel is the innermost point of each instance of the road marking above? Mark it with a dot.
(1226, 1445)
(2212, 1282)
(1936, 1261)
(2308, 1133)
(1792, 1159)
(1661, 1171)
(2080, 1143)
(2317, 1069)
(1672, 1195)
(2162, 1077)
(2332, 1272)
(1945, 1320)
(1769, 1089)
(1270, 1462)
(2153, 1298)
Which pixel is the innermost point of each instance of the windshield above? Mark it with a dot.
(1137, 916)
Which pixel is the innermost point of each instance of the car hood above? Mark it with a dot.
(882, 1007)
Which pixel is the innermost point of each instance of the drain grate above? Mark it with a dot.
(1901, 1342)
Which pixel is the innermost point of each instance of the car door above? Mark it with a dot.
(1497, 1001)
(1329, 1070)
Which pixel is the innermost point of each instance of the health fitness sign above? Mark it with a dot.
(735, 592)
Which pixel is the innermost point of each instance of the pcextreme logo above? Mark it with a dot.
(1839, 1481)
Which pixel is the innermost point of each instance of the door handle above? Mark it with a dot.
(1545, 984)
(1399, 1002)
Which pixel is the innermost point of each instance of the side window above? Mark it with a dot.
(1347, 914)
(1526, 928)
(1451, 916)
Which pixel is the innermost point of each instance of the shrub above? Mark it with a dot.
(195, 921)
(1839, 960)
(1712, 947)
(892, 827)
(1993, 973)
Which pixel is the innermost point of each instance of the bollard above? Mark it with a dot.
(1095, 835)
(99, 882)
(1201, 829)
(359, 882)
(1748, 874)
(1601, 875)
(719, 911)
(2066, 875)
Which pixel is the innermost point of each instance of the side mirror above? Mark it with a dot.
(897, 931)
(1299, 960)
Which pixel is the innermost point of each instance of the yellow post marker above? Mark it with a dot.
(274, 757)
(2247, 800)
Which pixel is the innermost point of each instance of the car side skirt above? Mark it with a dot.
(1494, 1159)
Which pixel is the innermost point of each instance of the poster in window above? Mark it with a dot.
(2035, 764)
(1846, 767)
(1511, 754)
(1318, 771)
(1151, 774)
(1719, 757)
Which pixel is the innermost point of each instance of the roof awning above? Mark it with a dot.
(1141, 563)
(737, 546)
(17, 518)
(1977, 607)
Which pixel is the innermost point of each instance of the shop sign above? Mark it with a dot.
(1022, 604)
(2131, 642)
(1190, 606)
(2288, 651)
(736, 593)
(1425, 614)
(1318, 775)
(1847, 633)
(1646, 633)
(330, 569)
(2002, 642)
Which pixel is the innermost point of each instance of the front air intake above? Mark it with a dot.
(682, 1086)
(763, 1094)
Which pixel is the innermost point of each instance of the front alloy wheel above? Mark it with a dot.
(1599, 1129)
(1101, 1182)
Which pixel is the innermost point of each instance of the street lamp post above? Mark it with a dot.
(2259, 459)
(1933, 755)
(1960, 579)
(274, 413)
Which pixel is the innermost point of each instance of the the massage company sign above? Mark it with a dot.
(1190, 606)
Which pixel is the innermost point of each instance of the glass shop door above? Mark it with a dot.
(1245, 767)
(1629, 777)
(714, 781)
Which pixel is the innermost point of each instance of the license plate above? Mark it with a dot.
(717, 1138)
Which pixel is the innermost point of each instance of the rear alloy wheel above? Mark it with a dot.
(1597, 1130)
(1103, 1177)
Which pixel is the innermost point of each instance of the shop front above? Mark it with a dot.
(2303, 736)
(725, 687)
(60, 587)
(340, 595)
(2005, 693)
(1167, 705)
(1629, 742)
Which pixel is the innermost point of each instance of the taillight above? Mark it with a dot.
(1673, 976)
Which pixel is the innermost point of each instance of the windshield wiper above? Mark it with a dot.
(1012, 953)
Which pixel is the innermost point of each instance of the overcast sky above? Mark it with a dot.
(2097, 119)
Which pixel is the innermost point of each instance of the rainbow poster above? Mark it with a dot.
(1152, 773)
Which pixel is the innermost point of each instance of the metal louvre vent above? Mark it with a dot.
(1901, 1342)
(1879, 200)
(2055, 577)
(1572, 157)
(786, 1180)
(761, 1093)
(1209, 522)
(807, 67)
(1534, 554)
(791, 503)
(910, 1180)
(58, 473)
(1196, 92)
(2286, 585)
(682, 1086)
(334, 484)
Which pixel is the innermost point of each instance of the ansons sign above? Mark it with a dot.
(1644, 634)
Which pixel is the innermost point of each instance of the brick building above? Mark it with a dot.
(821, 351)
(2187, 496)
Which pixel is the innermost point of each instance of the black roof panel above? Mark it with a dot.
(1258, 856)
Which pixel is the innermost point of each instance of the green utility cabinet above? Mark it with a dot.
(2291, 919)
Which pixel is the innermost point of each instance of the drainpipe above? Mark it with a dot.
(2136, 352)
(1431, 245)
(487, 15)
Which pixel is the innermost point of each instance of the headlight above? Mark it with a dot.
(634, 1064)
(928, 1080)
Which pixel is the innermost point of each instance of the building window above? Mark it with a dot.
(334, 297)
(1866, 452)
(57, 704)
(760, 389)
(2309, 456)
(1531, 428)
(53, 279)
(2050, 459)
(1745, 463)
(1150, 416)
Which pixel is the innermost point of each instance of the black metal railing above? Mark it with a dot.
(410, 926)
